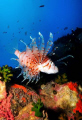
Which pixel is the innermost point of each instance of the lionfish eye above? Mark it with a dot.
(51, 62)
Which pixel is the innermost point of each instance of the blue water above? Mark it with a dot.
(21, 18)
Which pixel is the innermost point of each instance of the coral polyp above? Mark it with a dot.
(5, 73)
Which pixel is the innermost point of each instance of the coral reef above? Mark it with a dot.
(61, 79)
(37, 107)
(77, 116)
(5, 108)
(54, 100)
(5, 73)
(27, 114)
(65, 97)
(62, 117)
(5, 104)
(25, 100)
(22, 96)
(23, 103)
(2, 90)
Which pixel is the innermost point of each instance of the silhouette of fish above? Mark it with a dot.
(65, 28)
(41, 5)
(4, 32)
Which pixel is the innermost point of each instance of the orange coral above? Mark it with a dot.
(24, 100)
(20, 87)
(73, 86)
(78, 107)
(80, 96)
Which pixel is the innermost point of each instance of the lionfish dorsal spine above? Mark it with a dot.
(41, 49)
(48, 46)
(35, 49)
(29, 55)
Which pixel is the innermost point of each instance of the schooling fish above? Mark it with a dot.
(4, 32)
(35, 59)
(41, 5)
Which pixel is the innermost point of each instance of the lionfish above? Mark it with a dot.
(35, 60)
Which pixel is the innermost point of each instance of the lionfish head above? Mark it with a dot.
(48, 67)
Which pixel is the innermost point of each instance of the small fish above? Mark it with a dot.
(26, 33)
(41, 5)
(35, 59)
(8, 26)
(19, 31)
(65, 28)
(17, 21)
(4, 32)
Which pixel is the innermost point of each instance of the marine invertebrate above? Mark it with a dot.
(73, 86)
(37, 108)
(35, 59)
(78, 106)
(69, 99)
(61, 79)
(5, 110)
(5, 73)
(62, 116)
(78, 116)
(2, 90)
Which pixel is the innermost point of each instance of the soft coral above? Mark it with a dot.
(5, 110)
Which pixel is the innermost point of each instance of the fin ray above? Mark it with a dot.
(35, 49)
(48, 46)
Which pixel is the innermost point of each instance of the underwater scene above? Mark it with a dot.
(40, 59)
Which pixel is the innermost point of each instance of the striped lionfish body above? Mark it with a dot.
(35, 59)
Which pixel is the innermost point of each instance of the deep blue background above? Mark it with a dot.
(20, 16)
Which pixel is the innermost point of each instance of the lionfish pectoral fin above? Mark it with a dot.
(23, 80)
(17, 67)
(23, 43)
(28, 81)
(65, 57)
(14, 59)
(19, 75)
(36, 81)
(64, 63)
(37, 78)
(33, 79)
